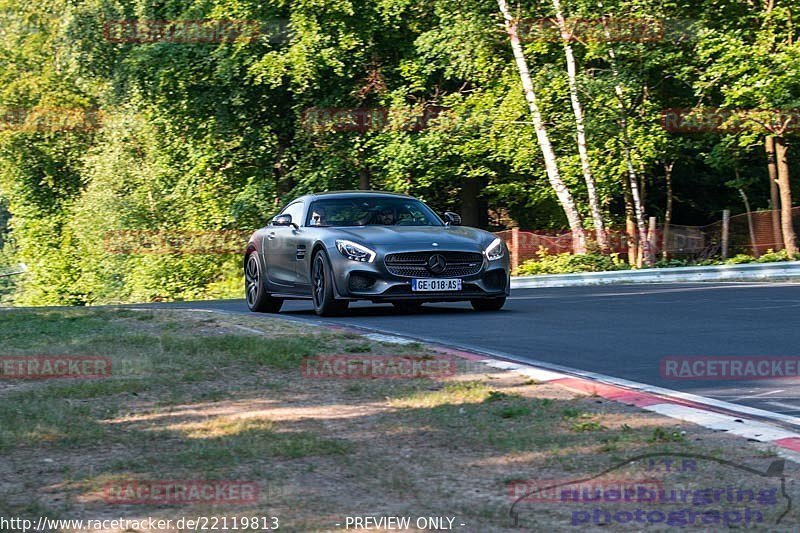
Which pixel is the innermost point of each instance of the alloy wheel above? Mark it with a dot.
(318, 280)
(252, 280)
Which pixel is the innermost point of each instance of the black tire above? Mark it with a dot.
(257, 297)
(322, 288)
(407, 307)
(488, 304)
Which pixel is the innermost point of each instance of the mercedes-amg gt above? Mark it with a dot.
(337, 247)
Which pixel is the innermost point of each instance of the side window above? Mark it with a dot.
(296, 210)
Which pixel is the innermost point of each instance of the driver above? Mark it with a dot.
(386, 217)
(318, 216)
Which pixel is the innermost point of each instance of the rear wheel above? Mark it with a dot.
(258, 299)
(488, 304)
(322, 288)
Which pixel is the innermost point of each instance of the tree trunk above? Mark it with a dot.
(750, 225)
(774, 195)
(470, 206)
(363, 179)
(782, 159)
(577, 108)
(550, 162)
(646, 253)
(638, 211)
(642, 186)
(630, 224)
(668, 211)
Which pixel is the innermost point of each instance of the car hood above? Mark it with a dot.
(460, 236)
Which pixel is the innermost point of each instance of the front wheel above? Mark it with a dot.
(488, 304)
(322, 288)
(258, 299)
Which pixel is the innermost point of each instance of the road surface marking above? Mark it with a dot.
(756, 395)
(790, 407)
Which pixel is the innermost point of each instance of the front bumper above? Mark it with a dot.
(374, 282)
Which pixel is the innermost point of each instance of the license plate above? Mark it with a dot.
(431, 284)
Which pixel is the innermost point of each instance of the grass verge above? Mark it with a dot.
(222, 397)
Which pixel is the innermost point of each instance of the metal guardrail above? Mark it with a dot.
(781, 271)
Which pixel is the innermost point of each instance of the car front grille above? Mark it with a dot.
(415, 264)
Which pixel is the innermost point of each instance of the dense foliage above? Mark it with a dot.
(152, 133)
(566, 263)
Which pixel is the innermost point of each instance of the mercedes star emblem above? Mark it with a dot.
(437, 263)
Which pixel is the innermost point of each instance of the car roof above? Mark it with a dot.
(345, 194)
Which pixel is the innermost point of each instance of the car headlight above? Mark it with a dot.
(495, 250)
(355, 251)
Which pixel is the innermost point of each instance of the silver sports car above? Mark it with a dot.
(342, 246)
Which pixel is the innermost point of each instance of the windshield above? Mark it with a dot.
(371, 211)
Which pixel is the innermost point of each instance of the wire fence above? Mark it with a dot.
(752, 233)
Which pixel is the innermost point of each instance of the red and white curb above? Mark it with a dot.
(705, 412)
(685, 410)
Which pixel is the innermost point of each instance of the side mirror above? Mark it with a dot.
(282, 220)
(452, 219)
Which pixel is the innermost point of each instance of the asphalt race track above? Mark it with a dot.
(621, 331)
